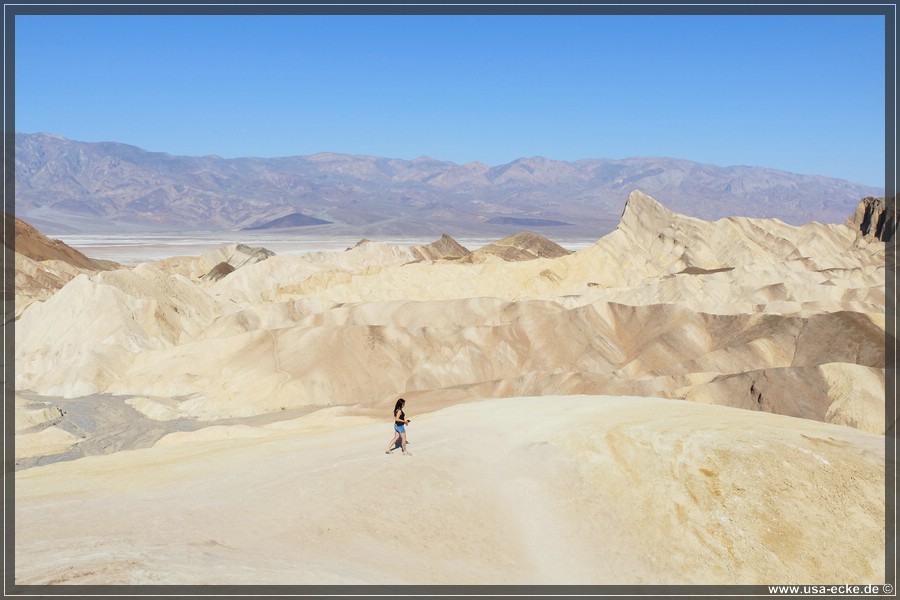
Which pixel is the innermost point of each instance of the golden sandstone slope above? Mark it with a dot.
(682, 402)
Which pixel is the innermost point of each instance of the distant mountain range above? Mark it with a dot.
(64, 186)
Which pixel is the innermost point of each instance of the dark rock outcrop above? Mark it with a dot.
(875, 218)
(218, 272)
(291, 220)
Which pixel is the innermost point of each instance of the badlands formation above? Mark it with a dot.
(683, 402)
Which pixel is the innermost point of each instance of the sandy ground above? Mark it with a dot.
(550, 490)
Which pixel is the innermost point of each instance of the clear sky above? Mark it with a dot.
(805, 94)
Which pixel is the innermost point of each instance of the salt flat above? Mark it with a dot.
(131, 249)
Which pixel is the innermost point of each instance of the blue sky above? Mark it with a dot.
(800, 93)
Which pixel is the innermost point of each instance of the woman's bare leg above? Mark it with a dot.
(393, 441)
(403, 443)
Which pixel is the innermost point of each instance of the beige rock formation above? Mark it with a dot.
(222, 260)
(665, 305)
(444, 248)
(681, 402)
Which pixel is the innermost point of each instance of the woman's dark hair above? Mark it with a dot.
(399, 405)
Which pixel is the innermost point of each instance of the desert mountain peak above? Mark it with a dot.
(641, 206)
(642, 213)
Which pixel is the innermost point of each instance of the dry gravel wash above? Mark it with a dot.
(528, 490)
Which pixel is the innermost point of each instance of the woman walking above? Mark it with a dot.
(400, 422)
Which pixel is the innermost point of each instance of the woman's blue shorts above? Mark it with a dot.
(399, 428)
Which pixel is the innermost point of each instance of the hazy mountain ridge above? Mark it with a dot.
(68, 185)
